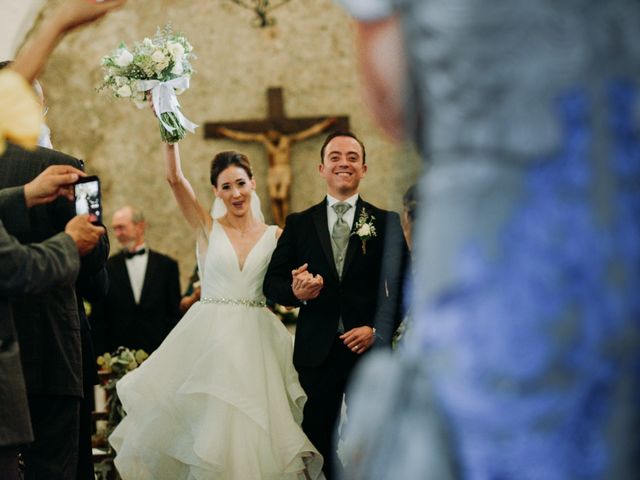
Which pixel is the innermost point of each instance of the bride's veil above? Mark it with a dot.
(218, 210)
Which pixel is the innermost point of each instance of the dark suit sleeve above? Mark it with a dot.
(173, 294)
(33, 268)
(36, 268)
(93, 287)
(395, 268)
(277, 280)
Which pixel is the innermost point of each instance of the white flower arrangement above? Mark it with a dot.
(364, 228)
(158, 67)
(112, 367)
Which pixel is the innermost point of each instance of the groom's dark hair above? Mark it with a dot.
(343, 133)
(227, 159)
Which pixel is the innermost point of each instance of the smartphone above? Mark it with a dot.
(87, 197)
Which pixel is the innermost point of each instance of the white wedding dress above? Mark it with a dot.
(220, 398)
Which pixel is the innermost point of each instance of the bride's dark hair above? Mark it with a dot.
(227, 159)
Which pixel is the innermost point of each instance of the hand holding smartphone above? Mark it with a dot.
(87, 197)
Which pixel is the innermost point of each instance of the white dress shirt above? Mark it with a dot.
(137, 268)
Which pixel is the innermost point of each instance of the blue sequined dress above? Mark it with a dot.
(527, 297)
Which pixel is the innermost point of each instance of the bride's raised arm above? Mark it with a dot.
(182, 190)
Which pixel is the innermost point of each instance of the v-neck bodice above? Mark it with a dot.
(223, 277)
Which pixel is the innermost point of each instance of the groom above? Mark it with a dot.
(329, 261)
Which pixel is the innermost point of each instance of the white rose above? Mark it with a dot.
(364, 230)
(124, 58)
(160, 67)
(124, 91)
(158, 57)
(177, 69)
(120, 80)
(176, 50)
(147, 42)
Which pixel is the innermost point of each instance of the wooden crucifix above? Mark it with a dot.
(276, 133)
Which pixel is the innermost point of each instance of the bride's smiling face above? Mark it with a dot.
(234, 188)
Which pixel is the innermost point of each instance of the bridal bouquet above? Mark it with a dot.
(159, 68)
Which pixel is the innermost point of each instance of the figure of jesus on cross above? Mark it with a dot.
(277, 134)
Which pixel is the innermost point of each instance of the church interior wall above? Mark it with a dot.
(309, 53)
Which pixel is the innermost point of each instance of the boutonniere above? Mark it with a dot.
(364, 228)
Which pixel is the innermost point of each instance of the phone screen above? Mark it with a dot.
(87, 197)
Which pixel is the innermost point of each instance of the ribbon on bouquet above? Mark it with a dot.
(165, 100)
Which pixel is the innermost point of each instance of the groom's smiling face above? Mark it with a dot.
(342, 167)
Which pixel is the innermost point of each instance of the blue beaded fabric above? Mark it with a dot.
(525, 336)
(534, 353)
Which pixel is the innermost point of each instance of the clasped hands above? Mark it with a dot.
(307, 286)
(304, 284)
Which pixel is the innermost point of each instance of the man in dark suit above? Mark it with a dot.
(329, 261)
(142, 305)
(48, 328)
(30, 269)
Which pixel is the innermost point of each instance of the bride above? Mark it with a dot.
(220, 398)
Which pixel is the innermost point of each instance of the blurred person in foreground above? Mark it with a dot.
(33, 269)
(524, 346)
(20, 122)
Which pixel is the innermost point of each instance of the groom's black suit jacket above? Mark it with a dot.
(367, 294)
(118, 321)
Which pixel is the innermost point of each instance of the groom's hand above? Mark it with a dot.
(305, 285)
(359, 339)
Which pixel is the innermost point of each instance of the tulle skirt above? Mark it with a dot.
(220, 399)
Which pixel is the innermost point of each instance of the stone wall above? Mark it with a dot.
(309, 53)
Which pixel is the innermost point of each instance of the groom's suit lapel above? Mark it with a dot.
(354, 241)
(321, 223)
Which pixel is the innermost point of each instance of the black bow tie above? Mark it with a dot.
(129, 255)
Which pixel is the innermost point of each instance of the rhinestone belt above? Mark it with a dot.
(233, 301)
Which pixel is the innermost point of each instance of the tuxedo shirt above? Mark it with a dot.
(137, 269)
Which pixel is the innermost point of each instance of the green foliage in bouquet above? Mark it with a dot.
(177, 134)
(114, 366)
(287, 315)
